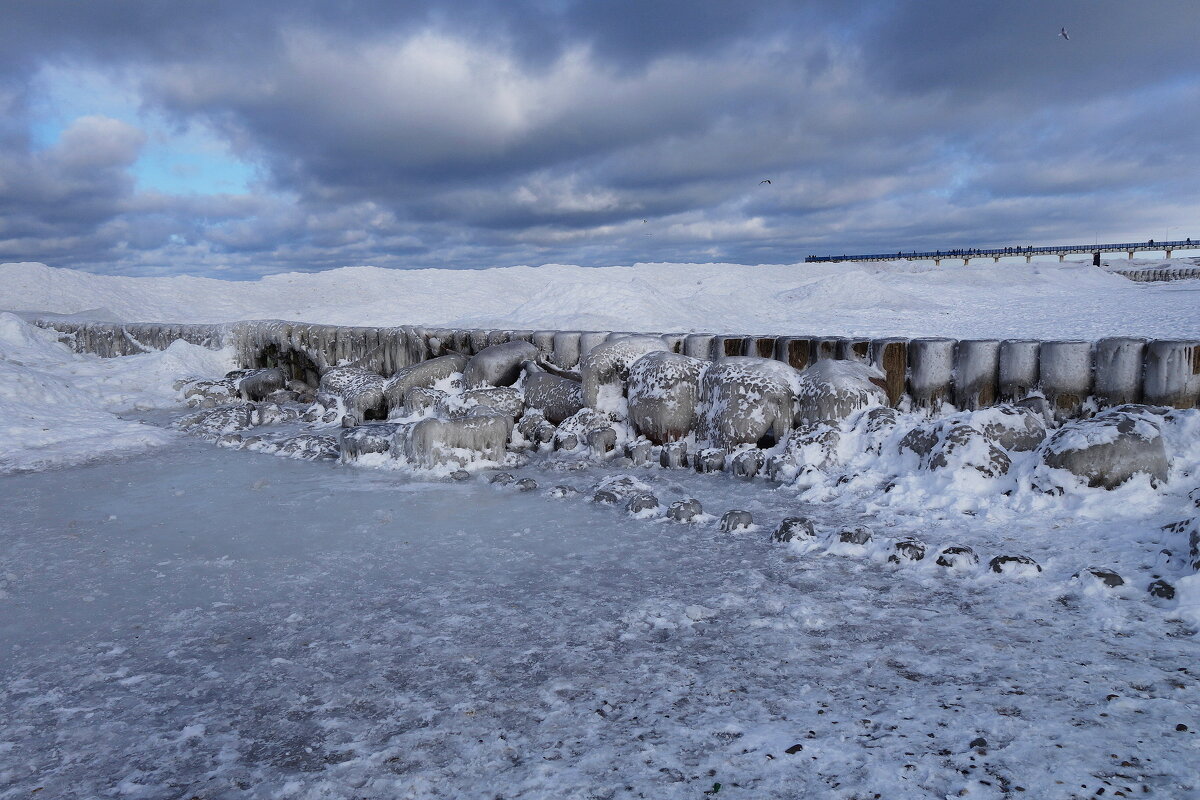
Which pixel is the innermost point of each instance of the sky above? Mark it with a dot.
(234, 139)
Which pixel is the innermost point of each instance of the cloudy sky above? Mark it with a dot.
(236, 139)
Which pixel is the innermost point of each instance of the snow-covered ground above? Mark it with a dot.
(203, 622)
(1041, 300)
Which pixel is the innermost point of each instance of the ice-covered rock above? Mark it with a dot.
(359, 391)
(747, 400)
(685, 510)
(674, 455)
(221, 391)
(419, 400)
(218, 421)
(835, 390)
(907, 550)
(957, 557)
(499, 364)
(747, 463)
(503, 400)
(639, 452)
(435, 442)
(605, 368)
(367, 439)
(273, 414)
(423, 375)
(794, 529)
(256, 384)
(643, 504)
(1014, 565)
(874, 426)
(1110, 448)
(663, 391)
(856, 535)
(573, 432)
(814, 445)
(1015, 428)
(556, 397)
(602, 441)
(736, 520)
(710, 459)
(308, 446)
(956, 445)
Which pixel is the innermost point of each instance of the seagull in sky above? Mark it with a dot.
(1063, 33)
(764, 180)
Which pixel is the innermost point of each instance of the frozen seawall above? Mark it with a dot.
(925, 371)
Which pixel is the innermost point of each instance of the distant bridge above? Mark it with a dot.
(1060, 250)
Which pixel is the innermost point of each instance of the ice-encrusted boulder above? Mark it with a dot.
(1015, 428)
(258, 383)
(220, 391)
(556, 397)
(308, 446)
(359, 391)
(420, 399)
(663, 390)
(424, 375)
(831, 389)
(498, 365)
(745, 400)
(1110, 448)
(814, 445)
(217, 421)
(364, 440)
(434, 442)
(956, 445)
(874, 426)
(575, 429)
(501, 399)
(604, 369)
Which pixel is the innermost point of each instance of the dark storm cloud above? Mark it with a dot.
(480, 133)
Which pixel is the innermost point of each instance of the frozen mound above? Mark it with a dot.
(831, 389)
(746, 400)
(424, 375)
(1111, 447)
(556, 397)
(605, 368)
(355, 391)
(663, 392)
(498, 365)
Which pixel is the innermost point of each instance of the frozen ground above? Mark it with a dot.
(200, 622)
(1042, 300)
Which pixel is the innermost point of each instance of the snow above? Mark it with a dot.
(58, 408)
(1010, 300)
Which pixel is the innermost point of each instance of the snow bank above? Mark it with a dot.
(1009, 300)
(59, 408)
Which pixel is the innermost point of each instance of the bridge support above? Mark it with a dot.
(1131, 255)
(937, 262)
(1061, 257)
(1028, 259)
(996, 259)
(966, 261)
(1168, 254)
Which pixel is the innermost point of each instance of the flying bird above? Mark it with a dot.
(1063, 33)
(764, 180)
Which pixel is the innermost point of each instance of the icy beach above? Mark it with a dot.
(186, 613)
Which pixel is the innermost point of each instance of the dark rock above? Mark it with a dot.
(710, 459)
(1107, 577)
(460, 475)
(1161, 589)
(604, 498)
(907, 550)
(957, 557)
(502, 478)
(1014, 564)
(639, 452)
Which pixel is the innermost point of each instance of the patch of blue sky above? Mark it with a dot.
(178, 160)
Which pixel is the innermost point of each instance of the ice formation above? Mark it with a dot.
(605, 368)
